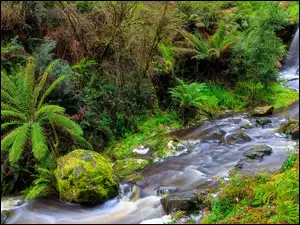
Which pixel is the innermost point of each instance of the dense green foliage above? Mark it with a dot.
(265, 198)
(114, 75)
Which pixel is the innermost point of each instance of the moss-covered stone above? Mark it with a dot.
(85, 177)
(258, 151)
(263, 111)
(263, 121)
(125, 168)
(291, 127)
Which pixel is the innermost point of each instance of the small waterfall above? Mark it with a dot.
(291, 65)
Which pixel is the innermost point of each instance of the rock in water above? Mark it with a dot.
(239, 138)
(263, 121)
(257, 152)
(3, 217)
(186, 201)
(291, 128)
(262, 111)
(85, 177)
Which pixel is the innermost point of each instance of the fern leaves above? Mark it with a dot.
(26, 118)
(213, 47)
(39, 144)
(19, 143)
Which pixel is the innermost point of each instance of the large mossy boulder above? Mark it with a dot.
(85, 177)
(291, 128)
(262, 111)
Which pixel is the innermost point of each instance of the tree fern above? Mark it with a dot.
(213, 47)
(24, 112)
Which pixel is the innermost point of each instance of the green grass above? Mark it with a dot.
(283, 96)
(265, 198)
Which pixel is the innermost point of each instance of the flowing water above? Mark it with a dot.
(211, 154)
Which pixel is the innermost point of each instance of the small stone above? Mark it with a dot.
(263, 121)
(247, 126)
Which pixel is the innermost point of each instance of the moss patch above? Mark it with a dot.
(125, 168)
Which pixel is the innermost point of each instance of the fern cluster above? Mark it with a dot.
(213, 47)
(26, 116)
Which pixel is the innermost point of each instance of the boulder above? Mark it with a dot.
(239, 138)
(185, 201)
(262, 111)
(291, 128)
(85, 177)
(258, 151)
(263, 121)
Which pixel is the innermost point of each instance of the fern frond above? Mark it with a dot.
(49, 109)
(50, 89)
(66, 123)
(7, 84)
(10, 99)
(5, 106)
(19, 143)
(29, 77)
(9, 113)
(42, 82)
(39, 144)
(7, 141)
(4, 126)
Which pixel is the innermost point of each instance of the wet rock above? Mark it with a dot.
(258, 152)
(124, 168)
(263, 121)
(85, 177)
(185, 201)
(5, 214)
(247, 126)
(165, 190)
(242, 163)
(295, 135)
(262, 111)
(239, 138)
(3, 217)
(291, 128)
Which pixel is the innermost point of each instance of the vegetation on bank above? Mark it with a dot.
(110, 76)
(267, 198)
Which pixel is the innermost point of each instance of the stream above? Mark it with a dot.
(211, 154)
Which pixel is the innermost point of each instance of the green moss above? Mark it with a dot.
(85, 177)
(283, 96)
(125, 168)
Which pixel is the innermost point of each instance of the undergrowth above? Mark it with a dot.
(264, 198)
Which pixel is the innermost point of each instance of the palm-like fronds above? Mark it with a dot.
(23, 110)
(189, 95)
(213, 47)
